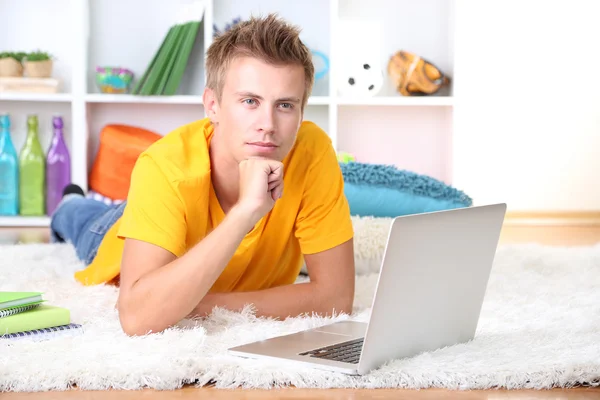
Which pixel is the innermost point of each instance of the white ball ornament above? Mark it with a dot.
(360, 79)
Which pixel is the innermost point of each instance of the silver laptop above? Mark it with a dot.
(429, 294)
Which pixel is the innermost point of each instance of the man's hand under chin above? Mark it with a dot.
(261, 185)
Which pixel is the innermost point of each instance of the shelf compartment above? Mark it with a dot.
(159, 118)
(420, 27)
(117, 42)
(19, 111)
(313, 16)
(418, 139)
(44, 25)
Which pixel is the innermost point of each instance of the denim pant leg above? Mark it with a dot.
(83, 223)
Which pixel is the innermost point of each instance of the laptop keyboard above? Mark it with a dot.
(345, 352)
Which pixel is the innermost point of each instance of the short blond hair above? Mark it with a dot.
(269, 39)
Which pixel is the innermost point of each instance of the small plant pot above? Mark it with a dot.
(38, 69)
(10, 67)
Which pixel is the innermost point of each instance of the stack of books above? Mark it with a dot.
(24, 315)
(165, 71)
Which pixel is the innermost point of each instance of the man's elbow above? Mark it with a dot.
(131, 324)
(333, 300)
(347, 307)
(341, 305)
(346, 299)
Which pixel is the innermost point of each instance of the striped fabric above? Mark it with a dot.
(106, 200)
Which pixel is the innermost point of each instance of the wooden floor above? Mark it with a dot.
(327, 394)
(520, 229)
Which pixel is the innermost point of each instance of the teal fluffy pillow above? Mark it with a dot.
(385, 191)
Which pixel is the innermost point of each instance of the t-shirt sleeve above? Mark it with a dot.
(323, 220)
(154, 212)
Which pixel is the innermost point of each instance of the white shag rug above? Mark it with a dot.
(539, 328)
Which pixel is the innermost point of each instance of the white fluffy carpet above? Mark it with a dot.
(539, 328)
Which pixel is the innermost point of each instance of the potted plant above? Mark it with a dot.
(10, 64)
(38, 64)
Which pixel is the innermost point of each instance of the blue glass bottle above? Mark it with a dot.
(9, 170)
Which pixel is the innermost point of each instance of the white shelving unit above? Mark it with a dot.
(411, 132)
(33, 97)
(24, 221)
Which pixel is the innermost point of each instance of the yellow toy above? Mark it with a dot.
(344, 157)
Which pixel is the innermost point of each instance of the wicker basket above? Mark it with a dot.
(38, 69)
(10, 67)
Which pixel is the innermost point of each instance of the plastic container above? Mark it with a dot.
(113, 79)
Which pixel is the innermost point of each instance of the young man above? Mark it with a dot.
(225, 210)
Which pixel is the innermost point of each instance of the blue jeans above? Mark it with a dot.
(83, 223)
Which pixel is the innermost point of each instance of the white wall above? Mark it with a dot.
(527, 113)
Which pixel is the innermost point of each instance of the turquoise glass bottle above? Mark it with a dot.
(32, 172)
(9, 170)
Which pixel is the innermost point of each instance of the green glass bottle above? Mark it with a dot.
(32, 171)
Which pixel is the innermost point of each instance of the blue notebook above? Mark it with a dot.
(46, 333)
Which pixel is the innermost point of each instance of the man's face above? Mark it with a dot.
(260, 109)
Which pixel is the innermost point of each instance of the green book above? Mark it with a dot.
(165, 52)
(44, 316)
(142, 82)
(166, 70)
(16, 299)
(183, 54)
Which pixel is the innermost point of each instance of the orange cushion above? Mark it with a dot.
(119, 149)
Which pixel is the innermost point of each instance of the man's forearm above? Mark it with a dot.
(279, 302)
(166, 295)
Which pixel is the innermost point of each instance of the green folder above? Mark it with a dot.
(16, 299)
(44, 316)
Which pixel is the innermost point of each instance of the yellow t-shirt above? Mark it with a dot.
(172, 204)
